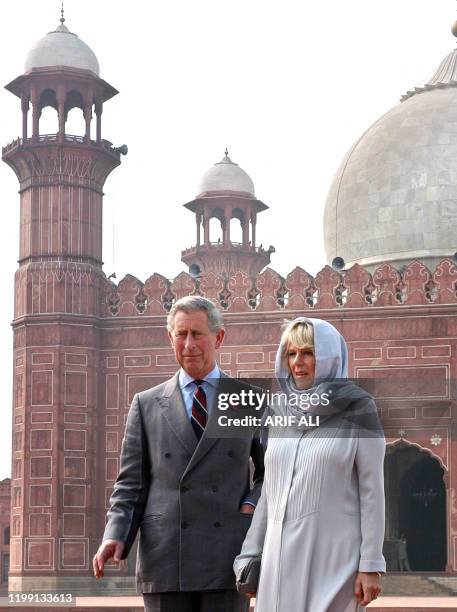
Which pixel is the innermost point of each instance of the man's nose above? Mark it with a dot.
(190, 343)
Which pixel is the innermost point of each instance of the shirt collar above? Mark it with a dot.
(211, 378)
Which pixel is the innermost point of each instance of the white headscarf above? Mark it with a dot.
(331, 354)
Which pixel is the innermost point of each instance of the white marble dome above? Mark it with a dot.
(62, 48)
(226, 176)
(394, 197)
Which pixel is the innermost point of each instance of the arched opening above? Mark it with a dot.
(49, 119)
(216, 226)
(215, 231)
(74, 115)
(236, 232)
(75, 124)
(415, 510)
(236, 228)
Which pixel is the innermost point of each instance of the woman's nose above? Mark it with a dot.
(299, 359)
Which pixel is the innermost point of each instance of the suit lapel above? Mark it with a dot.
(174, 411)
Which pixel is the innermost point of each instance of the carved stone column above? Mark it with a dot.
(98, 112)
(61, 95)
(226, 225)
(36, 112)
(198, 219)
(253, 224)
(206, 229)
(88, 119)
(245, 230)
(25, 113)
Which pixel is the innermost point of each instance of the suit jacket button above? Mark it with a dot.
(184, 525)
(167, 455)
(217, 524)
(231, 453)
(214, 488)
(184, 489)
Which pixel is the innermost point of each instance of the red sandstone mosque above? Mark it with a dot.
(84, 346)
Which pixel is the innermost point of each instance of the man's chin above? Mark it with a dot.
(193, 368)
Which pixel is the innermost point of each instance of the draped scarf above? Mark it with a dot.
(330, 384)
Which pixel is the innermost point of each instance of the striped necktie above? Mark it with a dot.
(199, 412)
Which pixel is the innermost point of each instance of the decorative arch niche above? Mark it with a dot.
(416, 520)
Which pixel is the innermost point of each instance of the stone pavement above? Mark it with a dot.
(410, 604)
(135, 604)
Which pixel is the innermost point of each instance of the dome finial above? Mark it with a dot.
(62, 18)
(226, 159)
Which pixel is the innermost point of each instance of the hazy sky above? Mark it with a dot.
(286, 86)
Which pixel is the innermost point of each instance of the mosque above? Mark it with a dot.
(83, 346)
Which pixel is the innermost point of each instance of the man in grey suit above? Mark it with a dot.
(187, 492)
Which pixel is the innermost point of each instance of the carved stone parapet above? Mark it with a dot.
(269, 291)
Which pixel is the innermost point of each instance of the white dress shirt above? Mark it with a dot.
(188, 388)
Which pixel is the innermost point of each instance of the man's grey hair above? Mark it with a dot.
(194, 303)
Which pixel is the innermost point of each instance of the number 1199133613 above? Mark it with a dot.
(49, 599)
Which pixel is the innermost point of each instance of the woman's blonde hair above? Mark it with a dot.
(299, 333)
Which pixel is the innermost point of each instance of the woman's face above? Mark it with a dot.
(302, 366)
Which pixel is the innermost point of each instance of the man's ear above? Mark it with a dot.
(220, 337)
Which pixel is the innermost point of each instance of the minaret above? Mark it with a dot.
(56, 329)
(226, 192)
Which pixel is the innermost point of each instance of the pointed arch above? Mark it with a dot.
(400, 442)
(417, 519)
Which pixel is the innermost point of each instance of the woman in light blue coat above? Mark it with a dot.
(319, 524)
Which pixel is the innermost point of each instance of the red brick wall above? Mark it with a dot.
(75, 377)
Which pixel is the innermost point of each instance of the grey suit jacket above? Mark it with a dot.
(184, 497)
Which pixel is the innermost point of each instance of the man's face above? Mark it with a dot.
(194, 343)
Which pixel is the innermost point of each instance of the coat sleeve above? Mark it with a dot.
(131, 488)
(370, 470)
(257, 456)
(255, 537)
